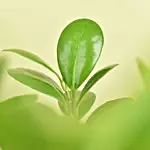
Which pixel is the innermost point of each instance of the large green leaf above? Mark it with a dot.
(122, 126)
(108, 108)
(37, 127)
(37, 81)
(30, 56)
(11, 105)
(110, 125)
(98, 75)
(79, 48)
(86, 104)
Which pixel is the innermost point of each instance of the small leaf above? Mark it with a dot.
(109, 109)
(79, 48)
(30, 56)
(86, 104)
(37, 81)
(98, 75)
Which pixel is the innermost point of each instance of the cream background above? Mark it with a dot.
(35, 25)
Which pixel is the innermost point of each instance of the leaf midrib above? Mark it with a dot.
(75, 64)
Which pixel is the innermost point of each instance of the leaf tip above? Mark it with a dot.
(11, 71)
(115, 65)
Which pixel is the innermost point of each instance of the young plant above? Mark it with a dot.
(79, 48)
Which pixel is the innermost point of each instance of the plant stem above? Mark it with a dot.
(73, 99)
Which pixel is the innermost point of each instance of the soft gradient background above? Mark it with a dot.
(35, 25)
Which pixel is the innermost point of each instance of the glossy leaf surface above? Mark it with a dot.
(37, 81)
(97, 76)
(79, 48)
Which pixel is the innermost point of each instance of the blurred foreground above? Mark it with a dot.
(122, 124)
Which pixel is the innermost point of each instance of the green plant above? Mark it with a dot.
(78, 50)
(121, 124)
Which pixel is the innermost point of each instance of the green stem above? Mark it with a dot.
(74, 102)
(70, 99)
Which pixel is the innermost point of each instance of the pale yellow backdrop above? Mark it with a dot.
(35, 25)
